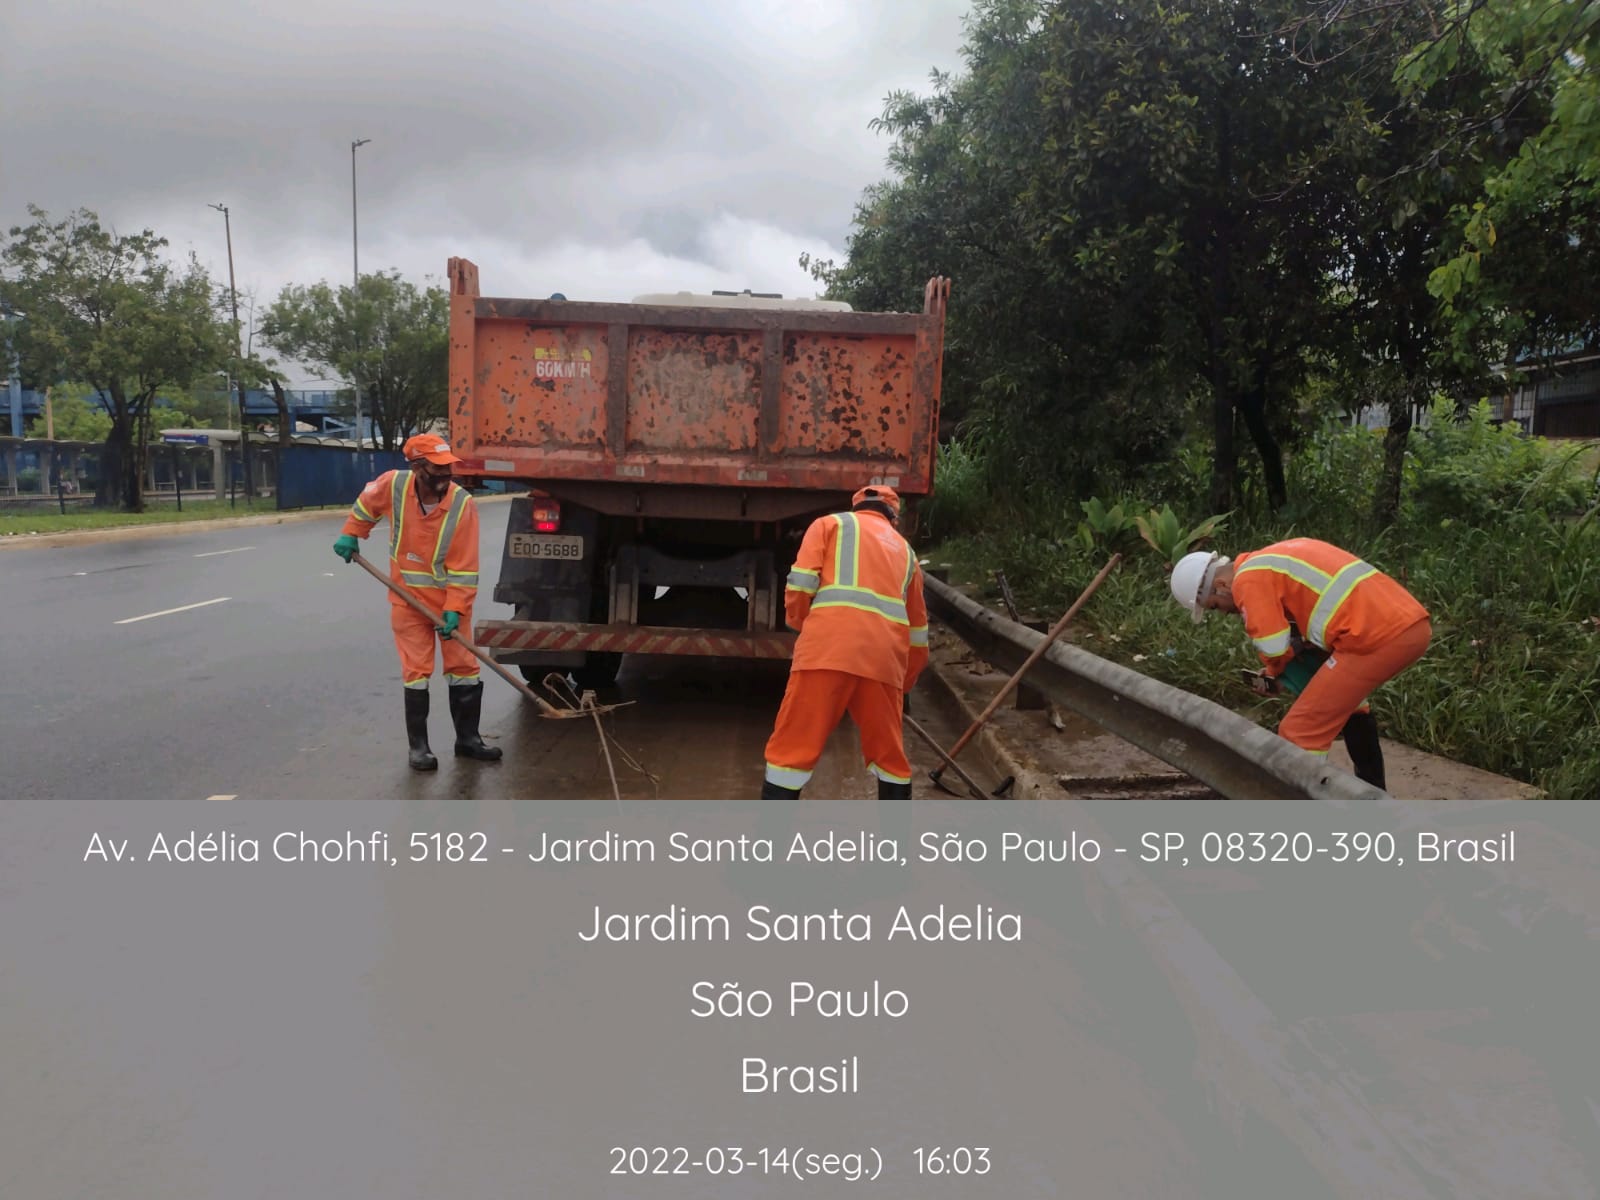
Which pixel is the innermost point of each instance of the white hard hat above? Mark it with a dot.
(1193, 577)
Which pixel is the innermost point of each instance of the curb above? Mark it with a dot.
(88, 537)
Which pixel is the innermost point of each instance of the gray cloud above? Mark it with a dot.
(600, 148)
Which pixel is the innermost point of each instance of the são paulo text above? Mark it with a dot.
(676, 924)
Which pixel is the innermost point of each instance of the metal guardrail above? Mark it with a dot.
(1223, 750)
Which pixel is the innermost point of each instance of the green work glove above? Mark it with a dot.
(451, 621)
(1298, 673)
(346, 546)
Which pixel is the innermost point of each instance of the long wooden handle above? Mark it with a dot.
(1038, 653)
(549, 710)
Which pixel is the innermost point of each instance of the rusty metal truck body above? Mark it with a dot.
(673, 453)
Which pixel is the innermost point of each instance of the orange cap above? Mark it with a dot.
(876, 491)
(429, 446)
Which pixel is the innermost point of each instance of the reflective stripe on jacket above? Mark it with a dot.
(1335, 600)
(855, 595)
(434, 555)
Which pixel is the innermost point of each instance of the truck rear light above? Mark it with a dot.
(546, 516)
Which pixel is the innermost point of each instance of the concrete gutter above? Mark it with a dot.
(1223, 750)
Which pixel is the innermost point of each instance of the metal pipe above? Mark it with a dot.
(236, 377)
(355, 288)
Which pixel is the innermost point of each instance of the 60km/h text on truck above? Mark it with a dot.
(674, 450)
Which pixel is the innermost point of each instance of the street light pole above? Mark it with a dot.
(244, 432)
(355, 294)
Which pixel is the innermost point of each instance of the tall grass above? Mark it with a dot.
(1498, 537)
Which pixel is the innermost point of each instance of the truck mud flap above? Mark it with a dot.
(515, 636)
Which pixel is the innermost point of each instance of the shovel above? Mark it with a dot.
(1060, 627)
(546, 709)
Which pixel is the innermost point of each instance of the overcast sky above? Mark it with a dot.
(599, 148)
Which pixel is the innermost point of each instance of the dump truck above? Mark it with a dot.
(666, 456)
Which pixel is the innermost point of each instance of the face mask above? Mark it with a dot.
(430, 484)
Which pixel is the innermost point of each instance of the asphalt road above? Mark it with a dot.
(251, 662)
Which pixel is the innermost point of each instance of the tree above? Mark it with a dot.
(1129, 197)
(1542, 202)
(107, 309)
(74, 417)
(393, 342)
(1040, 396)
(1142, 202)
(1183, 168)
(1463, 97)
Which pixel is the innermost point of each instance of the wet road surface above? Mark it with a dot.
(253, 663)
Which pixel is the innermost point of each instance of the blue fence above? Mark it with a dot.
(309, 476)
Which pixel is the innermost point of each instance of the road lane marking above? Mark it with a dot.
(233, 797)
(213, 553)
(167, 612)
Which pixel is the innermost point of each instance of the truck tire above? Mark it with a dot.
(599, 670)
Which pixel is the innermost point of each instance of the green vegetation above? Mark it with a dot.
(110, 310)
(1234, 220)
(1498, 535)
(127, 343)
(1187, 242)
(392, 336)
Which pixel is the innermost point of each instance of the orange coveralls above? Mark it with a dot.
(434, 556)
(855, 595)
(1371, 627)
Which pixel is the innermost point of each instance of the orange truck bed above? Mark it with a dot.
(673, 452)
(751, 400)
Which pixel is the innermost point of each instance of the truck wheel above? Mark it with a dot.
(599, 670)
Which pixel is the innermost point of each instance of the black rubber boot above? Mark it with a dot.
(1366, 754)
(466, 705)
(422, 758)
(771, 791)
(893, 791)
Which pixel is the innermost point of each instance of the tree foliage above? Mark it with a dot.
(1127, 194)
(1540, 59)
(108, 309)
(392, 341)
(1464, 97)
(74, 417)
(1162, 218)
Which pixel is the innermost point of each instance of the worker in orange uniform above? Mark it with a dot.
(433, 555)
(1303, 593)
(855, 595)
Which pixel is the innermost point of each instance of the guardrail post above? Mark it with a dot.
(1030, 698)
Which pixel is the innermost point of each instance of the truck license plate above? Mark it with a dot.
(540, 545)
